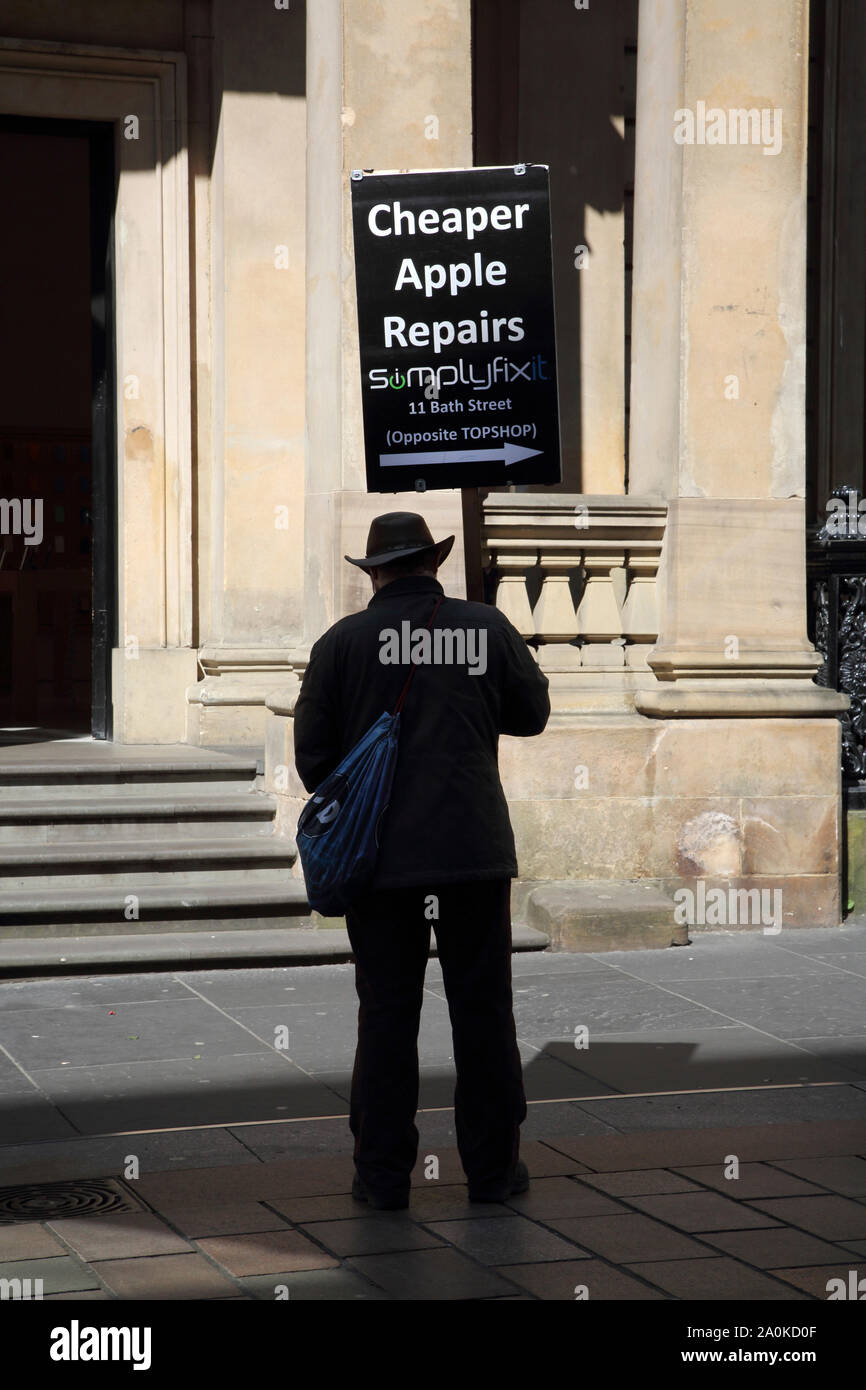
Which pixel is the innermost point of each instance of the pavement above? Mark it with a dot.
(696, 1130)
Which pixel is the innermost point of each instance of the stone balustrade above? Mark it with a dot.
(576, 575)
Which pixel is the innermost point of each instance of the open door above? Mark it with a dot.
(57, 427)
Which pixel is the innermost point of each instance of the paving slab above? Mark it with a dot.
(815, 1280)
(853, 962)
(562, 1281)
(810, 941)
(190, 1091)
(609, 1005)
(266, 1252)
(714, 1280)
(532, 963)
(165, 1277)
(752, 1180)
(43, 1038)
(106, 991)
(777, 1247)
(555, 1072)
(322, 1035)
(252, 1181)
(562, 1197)
(627, 1238)
(845, 1175)
(106, 1156)
(301, 1211)
(834, 1218)
(549, 1119)
(430, 1276)
(858, 1246)
(237, 989)
(665, 1059)
(27, 1115)
(642, 1182)
(621, 1152)
(316, 1285)
(12, 1075)
(718, 956)
(845, 1054)
(700, 1211)
(28, 1241)
(299, 1138)
(372, 1235)
(195, 1220)
(492, 1242)
(778, 1007)
(120, 1235)
(752, 1106)
(59, 1273)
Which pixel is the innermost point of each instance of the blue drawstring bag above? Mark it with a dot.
(339, 829)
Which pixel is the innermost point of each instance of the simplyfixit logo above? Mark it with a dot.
(501, 369)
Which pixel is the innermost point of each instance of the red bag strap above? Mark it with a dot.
(404, 692)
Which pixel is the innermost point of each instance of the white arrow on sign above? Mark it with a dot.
(511, 453)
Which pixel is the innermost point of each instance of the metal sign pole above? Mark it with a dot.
(472, 498)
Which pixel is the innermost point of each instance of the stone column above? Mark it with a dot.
(745, 771)
(249, 364)
(389, 86)
(719, 334)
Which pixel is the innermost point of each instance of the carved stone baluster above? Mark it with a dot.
(598, 616)
(640, 610)
(555, 617)
(512, 598)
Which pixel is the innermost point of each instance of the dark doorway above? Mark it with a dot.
(57, 457)
(836, 258)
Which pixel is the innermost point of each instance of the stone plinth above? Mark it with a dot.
(585, 915)
(732, 803)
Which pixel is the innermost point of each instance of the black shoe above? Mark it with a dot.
(379, 1201)
(519, 1183)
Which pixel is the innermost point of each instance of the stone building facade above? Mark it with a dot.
(663, 582)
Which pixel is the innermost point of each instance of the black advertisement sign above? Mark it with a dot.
(456, 328)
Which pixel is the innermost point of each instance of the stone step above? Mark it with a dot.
(604, 915)
(149, 863)
(43, 819)
(118, 775)
(100, 910)
(295, 945)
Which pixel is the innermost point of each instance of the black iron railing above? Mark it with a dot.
(836, 619)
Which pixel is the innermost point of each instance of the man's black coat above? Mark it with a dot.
(448, 818)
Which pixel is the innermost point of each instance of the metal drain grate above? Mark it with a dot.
(48, 1201)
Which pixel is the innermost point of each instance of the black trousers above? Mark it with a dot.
(390, 937)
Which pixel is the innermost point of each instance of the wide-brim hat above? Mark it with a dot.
(397, 535)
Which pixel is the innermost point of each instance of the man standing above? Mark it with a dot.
(446, 854)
